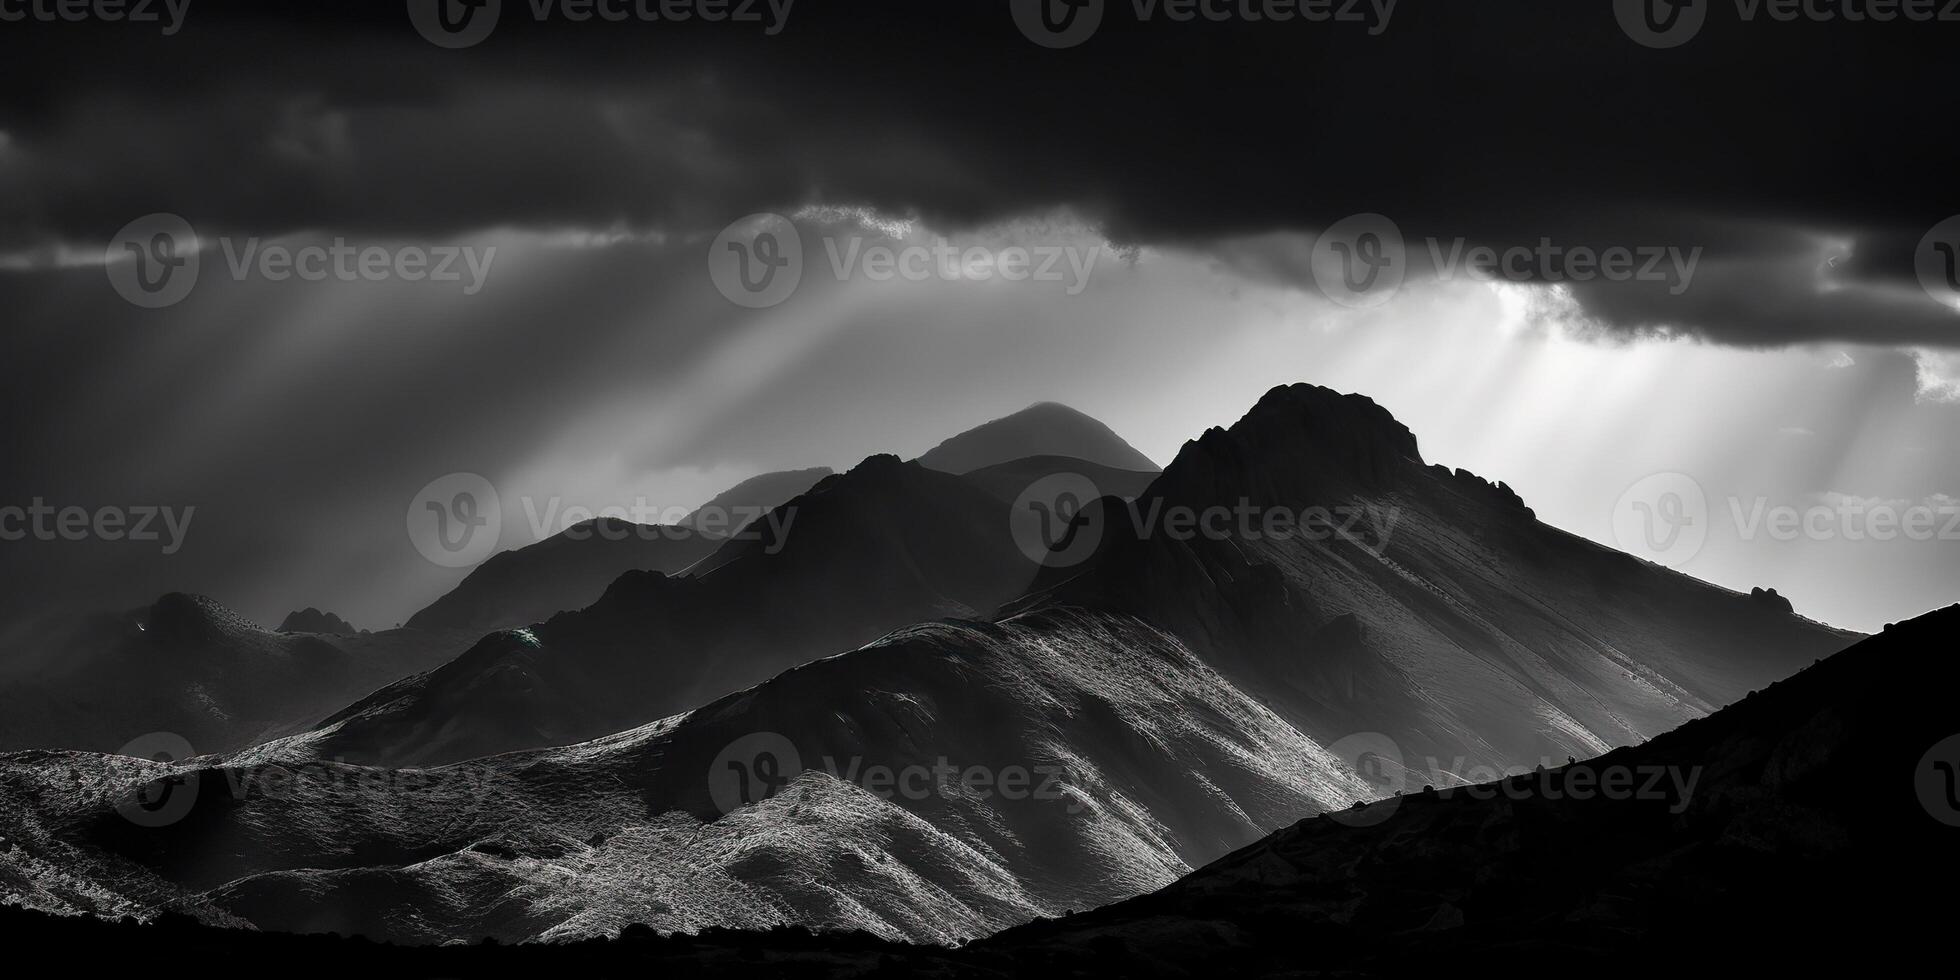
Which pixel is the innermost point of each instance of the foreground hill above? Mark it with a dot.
(1807, 827)
(191, 668)
(1803, 823)
(940, 785)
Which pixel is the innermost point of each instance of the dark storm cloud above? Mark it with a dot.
(1496, 123)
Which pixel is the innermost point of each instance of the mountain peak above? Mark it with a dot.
(311, 620)
(1041, 429)
(1299, 435)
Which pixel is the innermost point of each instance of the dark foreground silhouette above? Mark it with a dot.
(1812, 824)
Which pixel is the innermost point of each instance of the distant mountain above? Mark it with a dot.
(733, 508)
(573, 568)
(1045, 429)
(1008, 481)
(567, 571)
(863, 553)
(189, 667)
(310, 620)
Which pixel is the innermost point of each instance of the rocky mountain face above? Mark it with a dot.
(1813, 810)
(1410, 601)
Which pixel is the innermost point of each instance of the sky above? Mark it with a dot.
(1191, 181)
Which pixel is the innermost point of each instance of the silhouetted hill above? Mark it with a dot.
(569, 570)
(189, 667)
(310, 620)
(1045, 429)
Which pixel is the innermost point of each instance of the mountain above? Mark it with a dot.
(573, 568)
(751, 498)
(862, 553)
(1818, 808)
(1008, 481)
(566, 571)
(310, 620)
(1797, 829)
(1198, 683)
(189, 667)
(941, 784)
(1412, 601)
(1045, 429)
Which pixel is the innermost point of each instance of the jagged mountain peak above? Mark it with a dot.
(311, 620)
(1298, 441)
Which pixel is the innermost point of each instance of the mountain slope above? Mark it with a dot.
(1045, 429)
(1808, 829)
(939, 785)
(566, 571)
(571, 569)
(862, 553)
(1805, 821)
(1419, 603)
